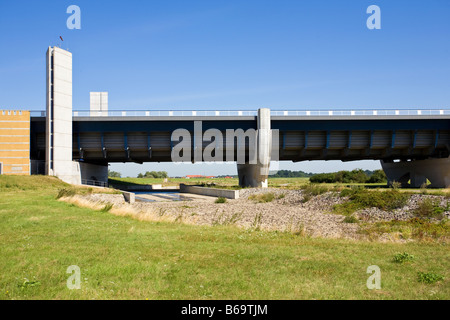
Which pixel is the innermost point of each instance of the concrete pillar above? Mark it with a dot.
(58, 160)
(437, 171)
(255, 175)
(99, 103)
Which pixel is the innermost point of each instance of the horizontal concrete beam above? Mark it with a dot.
(164, 118)
(213, 192)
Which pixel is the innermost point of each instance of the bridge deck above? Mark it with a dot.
(145, 136)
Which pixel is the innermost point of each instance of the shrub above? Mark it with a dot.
(354, 176)
(362, 198)
(429, 277)
(429, 208)
(424, 209)
(349, 192)
(314, 189)
(395, 185)
(386, 200)
(107, 207)
(414, 228)
(114, 174)
(264, 197)
(378, 176)
(29, 283)
(221, 200)
(256, 225)
(66, 192)
(306, 198)
(403, 257)
(350, 219)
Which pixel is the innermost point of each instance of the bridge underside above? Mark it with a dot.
(102, 142)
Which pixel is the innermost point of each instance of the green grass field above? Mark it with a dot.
(122, 258)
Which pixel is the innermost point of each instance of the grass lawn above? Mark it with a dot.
(122, 258)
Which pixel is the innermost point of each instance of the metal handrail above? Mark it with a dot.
(94, 183)
(238, 113)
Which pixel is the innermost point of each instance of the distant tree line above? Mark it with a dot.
(114, 174)
(291, 174)
(354, 176)
(153, 174)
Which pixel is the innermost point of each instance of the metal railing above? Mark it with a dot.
(38, 113)
(237, 113)
(95, 183)
(163, 113)
(361, 112)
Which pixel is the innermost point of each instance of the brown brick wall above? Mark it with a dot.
(15, 142)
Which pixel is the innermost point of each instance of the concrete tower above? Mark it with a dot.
(58, 160)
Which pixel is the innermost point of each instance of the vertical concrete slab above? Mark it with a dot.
(255, 175)
(99, 103)
(59, 115)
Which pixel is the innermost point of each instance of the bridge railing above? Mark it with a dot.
(237, 113)
(163, 113)
(94, 183)
(37, 113)
(361, 112)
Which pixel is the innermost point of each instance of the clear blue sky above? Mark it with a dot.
(232, 55)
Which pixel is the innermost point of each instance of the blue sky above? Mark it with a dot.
(232, 55)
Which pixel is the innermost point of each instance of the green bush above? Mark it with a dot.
(395, 185)
(314, 189)
(349, 192)
(221, 200)
(264, 197)
(362, 198)
(429, 277)
(403, 257)
(386, 200)
(429, 208)
(306, 198)
(354, 176)
(378, 176)
(114, 174)
(107, 207)
(350, 219)
(153, 174)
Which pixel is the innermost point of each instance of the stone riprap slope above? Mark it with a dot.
(287, 211)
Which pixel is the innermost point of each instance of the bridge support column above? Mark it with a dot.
(437, 171)
(90, 174)
(255, 175)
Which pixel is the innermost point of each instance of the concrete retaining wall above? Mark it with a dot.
(129, 197)
(213, 192)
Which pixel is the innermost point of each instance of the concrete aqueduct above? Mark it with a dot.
(76, 146)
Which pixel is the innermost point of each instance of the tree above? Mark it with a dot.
(377, 176)
(114, 174)
(153, 174)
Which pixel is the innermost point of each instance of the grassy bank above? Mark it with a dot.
(122, 258)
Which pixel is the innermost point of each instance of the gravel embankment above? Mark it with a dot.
(286, 212)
